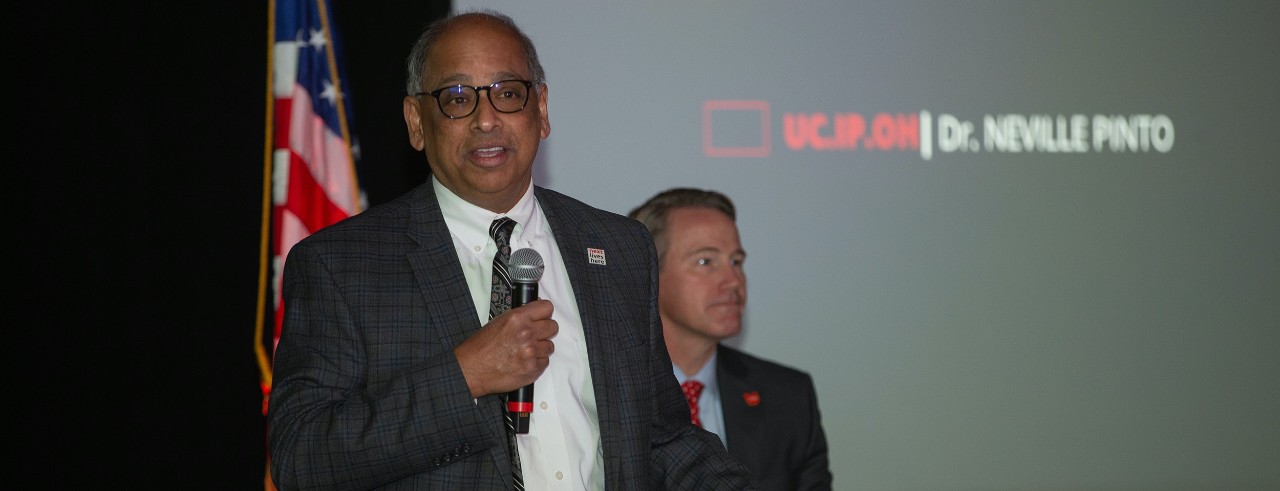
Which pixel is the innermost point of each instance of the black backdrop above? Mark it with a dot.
(138, 155)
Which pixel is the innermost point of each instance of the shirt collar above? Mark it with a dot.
(707, 375)
(470, 223)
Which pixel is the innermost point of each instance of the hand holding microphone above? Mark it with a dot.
(525, 267)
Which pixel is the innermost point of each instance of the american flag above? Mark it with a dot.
(309, 176)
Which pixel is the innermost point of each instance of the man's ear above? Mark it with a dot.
(413, 122)
(542, 111)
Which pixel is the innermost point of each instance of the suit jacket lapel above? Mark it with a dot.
(435, 265)
(451, 313)
(591, 288)
(741, 421)
(588, 280)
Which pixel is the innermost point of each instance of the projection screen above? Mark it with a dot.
(1018, 244)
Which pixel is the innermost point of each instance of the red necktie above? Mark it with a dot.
(692, 389)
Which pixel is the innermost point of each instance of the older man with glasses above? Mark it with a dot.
(401, 341)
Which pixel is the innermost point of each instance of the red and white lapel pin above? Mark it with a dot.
(595, 256)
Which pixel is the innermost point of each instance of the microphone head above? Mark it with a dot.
(525, 266)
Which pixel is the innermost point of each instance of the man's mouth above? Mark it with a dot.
(488, 152)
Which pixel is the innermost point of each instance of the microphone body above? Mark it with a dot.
(526, 268)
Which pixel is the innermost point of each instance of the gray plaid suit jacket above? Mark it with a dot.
(367, 393)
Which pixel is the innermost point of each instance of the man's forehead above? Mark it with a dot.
(479, 56)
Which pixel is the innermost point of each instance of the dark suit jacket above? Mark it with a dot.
(367, 393)
(771, 421)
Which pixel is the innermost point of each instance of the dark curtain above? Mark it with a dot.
(138, 157)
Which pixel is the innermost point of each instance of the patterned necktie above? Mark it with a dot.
(692, 389)
(499, 302)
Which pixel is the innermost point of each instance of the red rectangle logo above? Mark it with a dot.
(709, 147)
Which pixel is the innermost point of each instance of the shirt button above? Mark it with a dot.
(559, 476)
(477, 248)
(544, 405)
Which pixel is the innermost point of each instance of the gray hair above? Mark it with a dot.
(415, 65)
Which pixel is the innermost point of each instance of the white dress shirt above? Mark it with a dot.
(562, 449)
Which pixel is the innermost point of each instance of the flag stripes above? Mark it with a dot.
(311, 159)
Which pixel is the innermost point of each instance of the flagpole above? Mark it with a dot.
(264, 362)
(259, 348)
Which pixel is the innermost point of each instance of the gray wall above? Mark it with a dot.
(983, 310)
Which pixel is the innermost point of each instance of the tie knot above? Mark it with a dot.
(501, 229)
(500, 291)
(692, 389)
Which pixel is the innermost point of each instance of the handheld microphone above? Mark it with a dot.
(525, 267)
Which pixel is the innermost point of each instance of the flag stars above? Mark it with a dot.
(330, 93)
(318, 39)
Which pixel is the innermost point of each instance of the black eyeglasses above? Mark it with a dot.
(459, 101)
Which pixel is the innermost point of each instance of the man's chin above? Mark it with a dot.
(729, 329)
